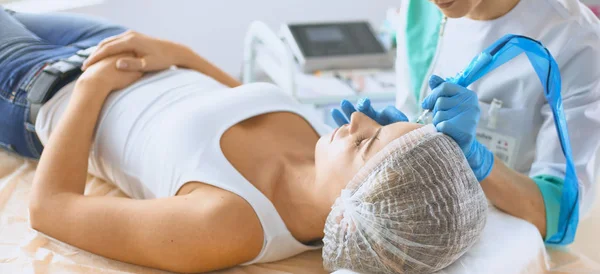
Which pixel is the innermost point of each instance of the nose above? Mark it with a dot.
(360, 122)
(354, 122)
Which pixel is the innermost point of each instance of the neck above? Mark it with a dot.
(304, 207)
(492, 9)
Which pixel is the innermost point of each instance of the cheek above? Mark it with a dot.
(333, 160)
(321, 150)
(327, 154)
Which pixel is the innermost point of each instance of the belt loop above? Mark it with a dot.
(48, 79)
(29, 127)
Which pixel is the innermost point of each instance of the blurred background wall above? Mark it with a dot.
(216, 29)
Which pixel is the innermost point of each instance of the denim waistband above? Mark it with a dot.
(27, 81)
(25, 85)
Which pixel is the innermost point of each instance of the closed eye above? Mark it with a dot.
(372, 140)
(358, 140)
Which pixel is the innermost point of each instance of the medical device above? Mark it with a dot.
(421, 118)
(342, 45)
(461, 79)
(495, 107)
(504, 50)
(268, 56)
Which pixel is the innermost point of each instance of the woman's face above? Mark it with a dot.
(457, 8)
(341, 154)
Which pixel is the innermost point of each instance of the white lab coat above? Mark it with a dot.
(572, 34)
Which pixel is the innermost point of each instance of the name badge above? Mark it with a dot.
(503, 146)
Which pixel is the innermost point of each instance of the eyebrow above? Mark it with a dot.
(372, 140)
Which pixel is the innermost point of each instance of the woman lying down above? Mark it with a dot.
(221, 174)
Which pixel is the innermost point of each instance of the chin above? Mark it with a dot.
(321, 146)
(455, 11)
(455, 15)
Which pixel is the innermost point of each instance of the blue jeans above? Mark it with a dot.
(28, 42)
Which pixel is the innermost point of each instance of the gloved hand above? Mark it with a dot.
(388, 115)
(456, 113)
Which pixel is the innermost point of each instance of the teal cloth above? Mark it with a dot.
(422, 35)
(551, 189)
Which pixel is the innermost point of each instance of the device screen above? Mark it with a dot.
(322, 40)
(324, 34)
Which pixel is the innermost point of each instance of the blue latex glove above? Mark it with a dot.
(388, 115)
(456, 113)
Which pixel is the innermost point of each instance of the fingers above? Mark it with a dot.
(131, 64)
(112, 38)
(444, 127)
(456, 106)
(447, 103)
(388, 116)
(452, 129)
(338, 117)
(435, 81)
(118, 44)
(347, 108)
(364, 106)
(443, 90)
(445, 115)
(112, 48)
(392, 115)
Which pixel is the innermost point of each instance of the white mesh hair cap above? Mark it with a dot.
(415, 207)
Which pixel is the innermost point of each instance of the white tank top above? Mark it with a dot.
(156, 135)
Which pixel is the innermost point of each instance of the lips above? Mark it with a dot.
(333, 135)
(444, 5)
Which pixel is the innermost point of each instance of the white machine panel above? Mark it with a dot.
(336, 46)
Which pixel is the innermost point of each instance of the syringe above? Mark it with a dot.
(421, 118)
(480, 62)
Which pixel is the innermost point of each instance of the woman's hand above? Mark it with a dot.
(149, 54)
(388, 115)
(456, 114)
(455, 111)
(105, 75)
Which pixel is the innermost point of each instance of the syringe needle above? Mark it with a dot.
(422, 117)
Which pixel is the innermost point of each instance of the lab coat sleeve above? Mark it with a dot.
(551, 189)
(580, 71)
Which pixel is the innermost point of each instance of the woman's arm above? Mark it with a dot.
(456, 113)
(177, 234)
(63, 165)
(193, 233)
(189, 59)
(152, 54)
(515, 194)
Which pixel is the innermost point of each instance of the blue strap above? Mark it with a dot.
(504, 50)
